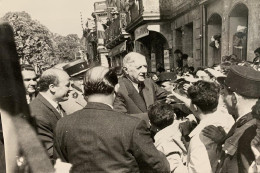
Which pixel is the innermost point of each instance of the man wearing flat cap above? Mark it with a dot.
(242, 90)
(76, 71)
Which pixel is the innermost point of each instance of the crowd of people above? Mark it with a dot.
(100, 119)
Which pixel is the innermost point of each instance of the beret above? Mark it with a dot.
(166, 76)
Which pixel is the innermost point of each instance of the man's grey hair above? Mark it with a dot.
(130, 58)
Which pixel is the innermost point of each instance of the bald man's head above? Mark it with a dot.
(57, 82)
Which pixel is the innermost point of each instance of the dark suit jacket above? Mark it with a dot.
(99, 139)
(2, 149)
(129, 101)
(46, 119)
(236, 154)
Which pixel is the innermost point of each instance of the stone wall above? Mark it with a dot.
(186, 31)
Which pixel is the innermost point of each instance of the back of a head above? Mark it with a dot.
(185, 56)
(177, 51)
(50, 76)
(161, 114)
(99, 80)
(257, 50)
(204, 95)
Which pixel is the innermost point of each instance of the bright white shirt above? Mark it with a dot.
(168, 141)
(198, 160)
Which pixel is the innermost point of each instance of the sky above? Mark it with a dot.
(59, 16)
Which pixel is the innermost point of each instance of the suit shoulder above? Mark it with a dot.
(35, 105)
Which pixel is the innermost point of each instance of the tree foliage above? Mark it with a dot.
(36, 44)
(33, 40)
(66, 47)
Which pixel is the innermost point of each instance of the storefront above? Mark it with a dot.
(150, 41)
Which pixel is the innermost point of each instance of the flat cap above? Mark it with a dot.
(166, 76)
(76, 67)
(243, 80)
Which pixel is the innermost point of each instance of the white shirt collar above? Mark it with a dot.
(109, 105)
(216, 118)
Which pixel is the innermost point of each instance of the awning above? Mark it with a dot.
(118, 49)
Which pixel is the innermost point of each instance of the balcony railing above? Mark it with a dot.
(149, 10)
(116, 28)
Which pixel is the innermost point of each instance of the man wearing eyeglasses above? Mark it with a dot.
(30, 83)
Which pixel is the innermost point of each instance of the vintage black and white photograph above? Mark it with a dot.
(129, 86)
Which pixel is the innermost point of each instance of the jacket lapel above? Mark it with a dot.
(134, 95)
(148, 94)
(49, 106)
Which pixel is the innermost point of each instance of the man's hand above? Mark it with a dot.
(255, 147)
(217, 134)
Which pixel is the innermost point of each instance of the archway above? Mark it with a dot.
(238, 24)
(214, 28)
(153, 47)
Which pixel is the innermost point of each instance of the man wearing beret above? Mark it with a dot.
(242, 89)
(76, 71)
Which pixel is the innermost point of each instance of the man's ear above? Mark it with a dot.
(193, 108)
(52, 88)
(234, 99)
(116, 88)
(125, 70)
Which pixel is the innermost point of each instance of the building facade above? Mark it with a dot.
(94, 35)
(204, 29)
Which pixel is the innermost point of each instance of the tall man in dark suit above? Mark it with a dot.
(54, 87)
(99, 139)
(136, 92)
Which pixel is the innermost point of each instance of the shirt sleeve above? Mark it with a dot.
(198, 160)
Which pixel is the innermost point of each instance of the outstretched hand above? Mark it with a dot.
(217, 134)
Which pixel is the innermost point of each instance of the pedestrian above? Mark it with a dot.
(241, 91)
(76, 71)
(256, 60)
(168, 135)
(136, 92)
(30, 82)
(202, 150)
(178, 57)
(54, 87)
(99, 139)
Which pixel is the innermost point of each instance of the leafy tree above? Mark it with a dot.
(67, 47)
(37, 45)
(33, 40)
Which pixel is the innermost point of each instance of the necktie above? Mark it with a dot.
(60, 110)
(140, 88)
